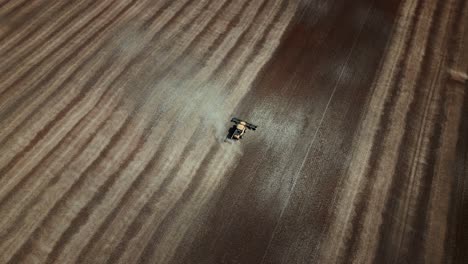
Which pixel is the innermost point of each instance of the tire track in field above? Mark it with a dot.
(424, 140)
(408, 129)
(334, 245)
(392, 105)
(445, 206)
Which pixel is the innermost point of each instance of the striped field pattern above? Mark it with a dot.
(91, 158)
(113, 116)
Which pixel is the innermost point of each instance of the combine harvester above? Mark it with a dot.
(238, 130)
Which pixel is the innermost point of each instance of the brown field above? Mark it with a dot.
(113, 115)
